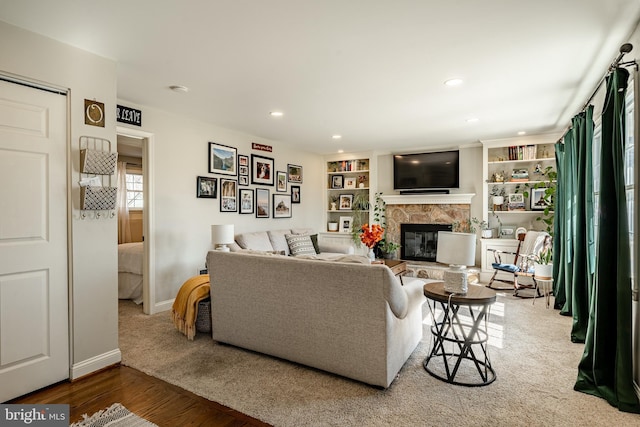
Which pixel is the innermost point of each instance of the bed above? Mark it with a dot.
(130, 271)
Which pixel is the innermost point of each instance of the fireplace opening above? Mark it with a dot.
(419, 242)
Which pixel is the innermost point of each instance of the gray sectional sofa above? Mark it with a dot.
(275, 240)
(352, 319)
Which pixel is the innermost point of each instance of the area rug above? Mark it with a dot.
(115, 415)
(530, 348)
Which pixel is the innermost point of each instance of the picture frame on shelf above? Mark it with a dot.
(345, 202)
(246, 201)
(508, 231)
(350, 183)
(281, 181)
(295, 194)
(294, 173)
(282, 205)
(222, 159)
(345, 224)
(261, 170)
(337, 182)
(262, 203)
(516, 202)
(207, 187)
(538, 199)
(228, 195)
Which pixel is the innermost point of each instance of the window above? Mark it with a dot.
(135, 195)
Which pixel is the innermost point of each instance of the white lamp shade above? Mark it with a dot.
(456, 248)
(222, 234)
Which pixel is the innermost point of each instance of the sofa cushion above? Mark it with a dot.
(258, 241)
(300, 244)
(278, 240)
(314, 240)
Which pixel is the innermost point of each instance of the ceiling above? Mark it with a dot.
(372, 71)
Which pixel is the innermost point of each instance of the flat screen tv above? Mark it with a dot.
(426, 171)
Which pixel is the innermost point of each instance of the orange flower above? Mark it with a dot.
(371, 235)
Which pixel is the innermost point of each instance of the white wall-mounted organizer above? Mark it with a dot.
(97, 169)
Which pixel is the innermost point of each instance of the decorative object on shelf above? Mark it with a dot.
(459, 251)
(362, 180)
(332, 226)
(262, 203)
(370, 236)
(228, 195)
(295, 194)
(497, 197)
(207, 187)
(222, 159)
(334, 203)
(516, 202)
(261, 170)
(350, 182)
(295, 173)
(337, 182)
(345, 224)
(346, 201)
(508, 231)
(281, 181)
(538, 200)
(498, 176)
(221, 236)
(246, 201)
(282, 205)
(519, 175)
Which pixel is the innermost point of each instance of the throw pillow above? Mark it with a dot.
(300, 244)
(314, 240)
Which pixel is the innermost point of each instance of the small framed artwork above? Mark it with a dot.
(282, 205)
(345, 224)
(295, 173)
(281, 181)
(228, 195)
(295, 194)
(516, 202)
(243, 170)
(350, 182)
(337, 181)
(243, 180)
(207, 187)
(539, 200)
(508, 231)
(246, 201)
(262, 203)
(243, 161)
(222, 159)
(345, 201)
(261, 170)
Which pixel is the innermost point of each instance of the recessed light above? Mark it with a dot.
(336, 136)
(522, 132)
(473, 120)
(179, 88)
(340, 151)
(276, 113)
(453, 82)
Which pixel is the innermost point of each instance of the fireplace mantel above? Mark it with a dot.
(428, 199)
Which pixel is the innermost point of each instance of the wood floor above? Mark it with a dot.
(155, 400)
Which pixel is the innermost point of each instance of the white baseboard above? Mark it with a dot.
(163, 305)
(95, 363)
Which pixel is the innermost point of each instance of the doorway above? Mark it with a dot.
(143, 141)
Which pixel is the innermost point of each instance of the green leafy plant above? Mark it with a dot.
(385, 246)
(545, 256)
(359, 204)
(549, 196)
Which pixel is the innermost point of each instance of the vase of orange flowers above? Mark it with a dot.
(370, 236)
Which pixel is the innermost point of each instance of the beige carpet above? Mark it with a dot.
(530, 350)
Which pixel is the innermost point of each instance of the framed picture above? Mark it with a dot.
(207, 187)
(337, 181)
(295, 194)
(261, 170)
(538, 200)
(243, 170)
(281, 181)
(282, 205)
(243, 161)
(350, 182)
(516, 202)
(345, 201)
(508, 231)
(295, 173)
(243, 180)
(262, 203)
(222, 159)
(246, 201)
(228, 195)
(345, 224)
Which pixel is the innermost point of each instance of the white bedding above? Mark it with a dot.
(130, 271)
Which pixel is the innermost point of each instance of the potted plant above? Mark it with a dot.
(543, 265)
(385, 247)
(497, 196)
(359, 205)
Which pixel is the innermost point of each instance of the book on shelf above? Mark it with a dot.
(522, 152)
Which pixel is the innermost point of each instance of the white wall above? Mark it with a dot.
(181, 235)
(94, 317)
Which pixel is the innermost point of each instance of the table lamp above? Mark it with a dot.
(221, 236)
(458, 250)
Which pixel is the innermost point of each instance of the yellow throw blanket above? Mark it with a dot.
(185, 306)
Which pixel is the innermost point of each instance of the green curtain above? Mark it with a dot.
(559, 250)
(606, 367)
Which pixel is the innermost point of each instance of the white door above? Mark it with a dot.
(34, 331)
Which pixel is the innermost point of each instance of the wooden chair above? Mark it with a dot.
(530, 245)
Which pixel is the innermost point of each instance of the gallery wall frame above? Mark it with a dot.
(246, 201)
(262, 170)
(295, 194)
(228, 195)
(281, 181)
(262, 203)
(207, 187)
(294, 173)
(281, 205)
(223, 159)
